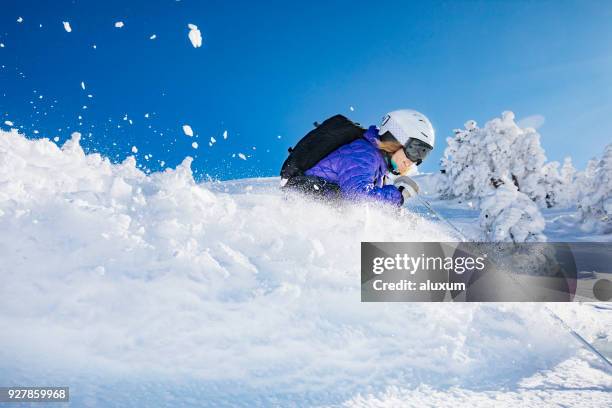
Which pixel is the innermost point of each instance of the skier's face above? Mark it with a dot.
(403, 163)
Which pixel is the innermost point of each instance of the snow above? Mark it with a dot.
(8, 123)
(242, 156)
(427, 396)
(119, 24)
(153, 36)
(213, 140)
(154, 290)
(195, 36)
(194, 145)
(67, 26)
(134, 149)
(20, 19)
(224, 134)
(187, 130)
(1, 45)
(82, 85)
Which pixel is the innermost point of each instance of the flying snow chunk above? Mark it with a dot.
(351, 108)
(146, 115)
(119, 24)
(194, 145)
(56, 139)
(225, 134)
(213, 140)
(67, 26)
(188, 130)
(8, 123)
(195, 36)
(134, 149)
(242, 156)
(82, 85)
(1, 45)
(20, 20)
(154, 36)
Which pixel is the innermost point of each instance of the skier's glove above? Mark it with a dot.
(407, 186)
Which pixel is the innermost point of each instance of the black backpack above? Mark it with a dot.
(318, 143)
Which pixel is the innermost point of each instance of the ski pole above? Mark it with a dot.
(581, 339)
(430, 208)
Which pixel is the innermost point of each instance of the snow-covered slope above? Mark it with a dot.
(152, 290)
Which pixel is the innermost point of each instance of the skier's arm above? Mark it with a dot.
(359, 182)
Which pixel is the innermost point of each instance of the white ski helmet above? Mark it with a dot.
(406, 124)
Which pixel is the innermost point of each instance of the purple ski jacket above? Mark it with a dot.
(359, 168)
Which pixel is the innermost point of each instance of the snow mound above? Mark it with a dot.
(229, 292)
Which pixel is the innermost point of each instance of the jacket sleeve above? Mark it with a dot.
(359, 181)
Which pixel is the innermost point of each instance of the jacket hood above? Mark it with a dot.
(372, 136)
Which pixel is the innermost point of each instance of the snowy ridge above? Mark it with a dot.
(229, 293)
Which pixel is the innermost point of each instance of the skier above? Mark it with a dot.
(358, 169)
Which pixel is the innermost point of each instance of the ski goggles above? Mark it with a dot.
(416, 150)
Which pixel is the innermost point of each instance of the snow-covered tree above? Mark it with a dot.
(595, 202)
(478, 159)
(568, 189)
(509, 215)
(558, 184)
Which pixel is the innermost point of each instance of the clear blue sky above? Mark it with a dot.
(271, 68)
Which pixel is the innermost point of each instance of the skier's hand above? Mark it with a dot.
(407, 186)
